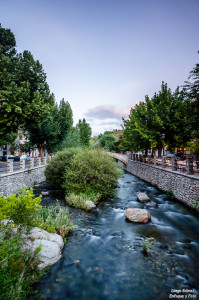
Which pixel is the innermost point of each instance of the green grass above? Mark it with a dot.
(79, 201)
(18, 270)
(55, 220)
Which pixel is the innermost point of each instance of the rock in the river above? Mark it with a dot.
(152, 204)
(142, 197)
(90, 204)
(44, 193)
(51, 243)
(137, 215)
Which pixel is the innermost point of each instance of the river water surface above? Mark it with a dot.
(103, 258)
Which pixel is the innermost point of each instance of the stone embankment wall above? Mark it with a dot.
(9, 183)
(184, 187)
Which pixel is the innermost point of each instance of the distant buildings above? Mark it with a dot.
(16, 148)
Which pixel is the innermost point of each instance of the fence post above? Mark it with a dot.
(174, 164)
(44, 160)
(189, 166)
(38, 161)
(136, 157)
(31, 162)
(164, 162)
(10, 166)
(22, 164)
(133, 156)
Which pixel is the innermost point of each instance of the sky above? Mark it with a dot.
(104, 56)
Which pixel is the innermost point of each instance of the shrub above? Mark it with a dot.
(18, 269)
(55, 220)
(54, 171)
(91, 171)
(22, 208)
(79, 201)
(170, 194)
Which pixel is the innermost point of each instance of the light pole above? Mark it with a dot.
(163, 137)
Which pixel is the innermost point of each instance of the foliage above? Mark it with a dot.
(192, 91)
(54, 171)
(55, 125)
(55, 220)
(196, 203)
(18, 269)
(108, 141)
(24, 92)
(22, 208)
(85, 132)
(79, 201)
(25, 99)
(145, 246)
(71, 139)
(165, 112)
(170, 194)
(91, 171)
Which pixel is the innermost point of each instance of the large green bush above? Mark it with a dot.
(55, 169)
(91, 171)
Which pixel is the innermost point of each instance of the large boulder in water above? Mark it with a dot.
(137, 215)
(142, 197)
(51, 243)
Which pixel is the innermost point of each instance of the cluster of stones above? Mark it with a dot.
(138, 215)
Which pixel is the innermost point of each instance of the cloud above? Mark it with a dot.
(104, 112)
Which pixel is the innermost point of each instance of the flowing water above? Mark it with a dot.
(103, 258)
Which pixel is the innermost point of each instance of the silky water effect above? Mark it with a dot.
(103, 258)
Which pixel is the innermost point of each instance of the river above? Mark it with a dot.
(103, 258)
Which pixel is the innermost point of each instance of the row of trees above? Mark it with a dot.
(26, 102)
(175, 114)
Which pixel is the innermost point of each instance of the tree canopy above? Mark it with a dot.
(165, 112)
(25, 98)
(85, 132)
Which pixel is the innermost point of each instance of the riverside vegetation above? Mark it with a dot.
(18, 270)
(85, 174)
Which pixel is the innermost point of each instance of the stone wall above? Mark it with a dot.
(184, 187)
(9, 183)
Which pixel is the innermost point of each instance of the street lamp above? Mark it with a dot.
(163, 137)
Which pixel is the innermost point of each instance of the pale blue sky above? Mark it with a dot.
(103, 56)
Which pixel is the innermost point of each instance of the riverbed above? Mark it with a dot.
(103, 258)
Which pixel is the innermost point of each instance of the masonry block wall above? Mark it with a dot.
(9, 183)
(184, 187)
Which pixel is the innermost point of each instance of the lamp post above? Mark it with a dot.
(163, 137)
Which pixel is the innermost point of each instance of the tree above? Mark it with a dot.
(85, 132)
(24, 92)
(165, 112)
(71, 139)
(192, 91)
(53, 128)
(108, 141)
